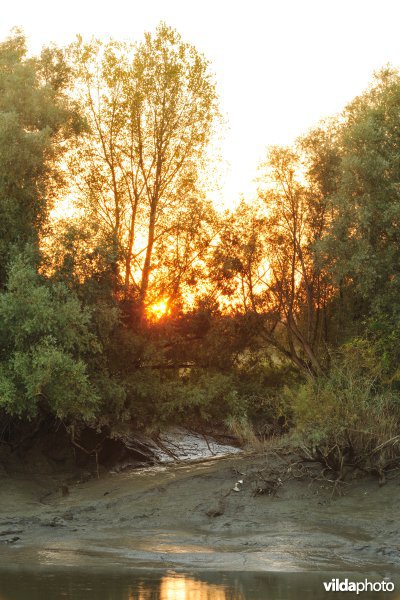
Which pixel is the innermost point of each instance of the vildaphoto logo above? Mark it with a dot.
(345, 585)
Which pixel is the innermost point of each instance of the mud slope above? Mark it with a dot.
(191, 515)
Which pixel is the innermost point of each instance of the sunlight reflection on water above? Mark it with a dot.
(72, 584)
(179, 587)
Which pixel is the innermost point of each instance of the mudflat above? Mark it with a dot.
(249, 512)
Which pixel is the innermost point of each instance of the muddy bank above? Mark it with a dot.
(200, 516)
(66, 453)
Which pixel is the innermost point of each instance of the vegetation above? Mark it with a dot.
(145, 306)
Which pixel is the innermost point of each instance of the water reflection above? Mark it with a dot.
(184, 588)
(79, 585)
(171, 586)
(179, 587)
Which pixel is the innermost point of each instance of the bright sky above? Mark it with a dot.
(281, 65)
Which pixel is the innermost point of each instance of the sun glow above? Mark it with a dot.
(158, 310)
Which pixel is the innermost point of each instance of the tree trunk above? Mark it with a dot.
(147, 261)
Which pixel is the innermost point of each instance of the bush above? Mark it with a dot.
(350, 417)
(44, 339)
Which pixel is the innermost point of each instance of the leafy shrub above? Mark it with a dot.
(45, 337)
(350, 416)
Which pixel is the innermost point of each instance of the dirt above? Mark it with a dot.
(200, 516)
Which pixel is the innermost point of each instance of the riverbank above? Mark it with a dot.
(200, 516)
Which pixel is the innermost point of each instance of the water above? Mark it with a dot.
(65, 584)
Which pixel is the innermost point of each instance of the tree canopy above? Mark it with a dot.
(264, 315)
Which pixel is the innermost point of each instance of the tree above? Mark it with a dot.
(295, 221)
(35, 119)
(239, 263)
(151, 109)
(363, 241)
(44, 333)
(267, 263)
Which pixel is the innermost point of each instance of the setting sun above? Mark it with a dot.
(158, 310)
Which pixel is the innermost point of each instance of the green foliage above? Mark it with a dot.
(205, 397)
(45, 337)
(363, 242)
(349, 416)
(35, 117)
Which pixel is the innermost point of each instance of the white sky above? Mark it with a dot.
(280, 65)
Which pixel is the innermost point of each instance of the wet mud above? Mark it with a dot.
(237, 513)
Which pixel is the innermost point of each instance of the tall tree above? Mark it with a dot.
(363, 241)
(35, 119)
(267, 263)
(151, 108)
(45, 335)
(297, 215)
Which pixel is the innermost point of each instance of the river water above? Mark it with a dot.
(61, 584)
